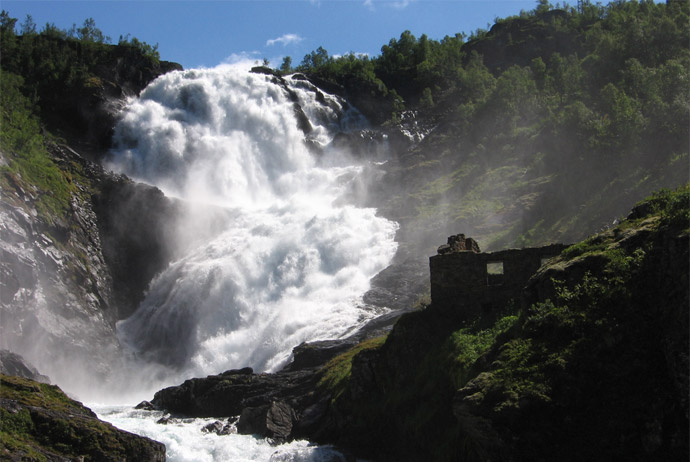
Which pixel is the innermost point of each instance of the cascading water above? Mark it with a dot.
(294, 258)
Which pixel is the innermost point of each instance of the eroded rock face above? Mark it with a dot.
(65, 280)
(274, 420)
(55, 285)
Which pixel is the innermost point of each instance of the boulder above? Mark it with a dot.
(146, 406)
(274, 421)
(214, 427)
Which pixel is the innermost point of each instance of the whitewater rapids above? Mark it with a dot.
(294, 257)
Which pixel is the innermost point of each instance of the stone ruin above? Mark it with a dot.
(470, 282)
(459, 243)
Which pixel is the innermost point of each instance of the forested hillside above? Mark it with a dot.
(546, 127)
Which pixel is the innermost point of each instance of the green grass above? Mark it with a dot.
(335, 375)
(466, 345)
(50, 423)
(38, 394)
(29, 170)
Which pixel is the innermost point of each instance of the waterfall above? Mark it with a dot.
(294, 257)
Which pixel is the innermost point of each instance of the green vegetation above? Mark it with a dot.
(44, 424)
(335, 374)
(50, 82)
(65, 72)
(574, 374)
(38, 394)
(30, 169)
(547, 126)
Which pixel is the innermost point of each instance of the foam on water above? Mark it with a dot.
(186, 442)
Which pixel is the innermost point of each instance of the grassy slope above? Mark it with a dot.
(38, 422)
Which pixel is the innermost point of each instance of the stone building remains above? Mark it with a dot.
(470, 282)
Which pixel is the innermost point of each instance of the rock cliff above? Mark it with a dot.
(76, 248)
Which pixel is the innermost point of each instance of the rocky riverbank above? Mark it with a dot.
(39, 422)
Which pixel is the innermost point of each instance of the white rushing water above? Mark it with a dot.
(294, 258)
(290, 263)
(185, 441)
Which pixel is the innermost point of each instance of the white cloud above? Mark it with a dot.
(398, 4)
(401, 4)
(285, 39)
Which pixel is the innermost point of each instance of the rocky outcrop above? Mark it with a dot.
(39, 422)
(69, 272)
(137, 226)
(279, 406)
(14, 364)
(65, 281)
(315, 354)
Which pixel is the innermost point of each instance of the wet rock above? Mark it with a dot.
(253, 421)
(274, 421)
(165, 420)
(146, 406)
(56, 290)
(228, 394)
(316, 354)
(243, 371)
(271, 405)
(214, 427)
(229, 428)
(400, 285)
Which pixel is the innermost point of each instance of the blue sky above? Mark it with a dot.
(207, 33)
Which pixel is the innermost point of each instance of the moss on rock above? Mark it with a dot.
(39, 422)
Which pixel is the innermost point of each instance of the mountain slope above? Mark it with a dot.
(591, 363)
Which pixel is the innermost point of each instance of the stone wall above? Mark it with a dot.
(470, 282)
